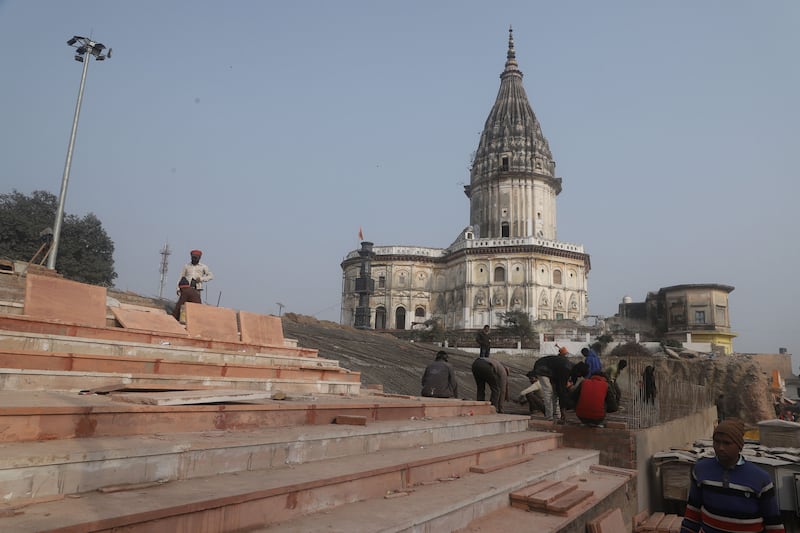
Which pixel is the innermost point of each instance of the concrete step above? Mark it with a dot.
(33, 470)
(609, 487)
(12, 379)
(462, 504)
(246, 500)
(48, 343)
(136, 364)
(49, 415)
(26, 324)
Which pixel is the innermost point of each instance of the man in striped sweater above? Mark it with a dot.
(729, 494)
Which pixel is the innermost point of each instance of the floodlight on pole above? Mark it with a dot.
(280, 308)
(84, 49)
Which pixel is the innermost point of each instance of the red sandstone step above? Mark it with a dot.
(51, 361)
(68, 381)
(40, 415)
(21, 323)
(609, 490)
(255, 499)
(63, 467)
(458, 504)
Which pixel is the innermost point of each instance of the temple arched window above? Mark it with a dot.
(400, 318)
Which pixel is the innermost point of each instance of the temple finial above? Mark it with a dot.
(511, 57)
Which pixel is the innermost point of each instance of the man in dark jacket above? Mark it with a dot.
(494, 374)
(484, 341)
(439, 379)
(187, 293)
(553, 371)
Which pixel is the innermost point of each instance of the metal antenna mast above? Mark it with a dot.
(165, 251)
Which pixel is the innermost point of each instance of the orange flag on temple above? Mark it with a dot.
(360, 234)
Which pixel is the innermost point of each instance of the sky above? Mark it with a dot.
(266, 133)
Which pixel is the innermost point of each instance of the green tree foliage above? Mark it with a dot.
(517, 324)
(602, 341)
(85, 252)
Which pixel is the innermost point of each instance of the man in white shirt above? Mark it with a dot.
(532, 395)
(196, 272)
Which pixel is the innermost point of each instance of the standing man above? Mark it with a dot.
(484, 341)
(196, 272)
(439, 379)
(729, 494)
(553, 373)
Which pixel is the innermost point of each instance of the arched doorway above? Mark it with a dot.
(400, 318)
(380, 318)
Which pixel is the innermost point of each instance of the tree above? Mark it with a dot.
(517, 324)
(433, 331)
(85, 252)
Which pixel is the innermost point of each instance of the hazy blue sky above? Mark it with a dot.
(266, 133)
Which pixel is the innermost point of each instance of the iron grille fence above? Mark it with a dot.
(673, 398)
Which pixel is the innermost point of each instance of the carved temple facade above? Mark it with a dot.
(508, 258)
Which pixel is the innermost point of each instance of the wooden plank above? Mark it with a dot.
(651, 524)
(603, 469)
(543, 498)
(640, 517)
(519, 498)
(666, 523)
(675, 527)
(612, 522)
(593, 526)
(352, 420)
(563, 505)
(190, 397)
(144, 387)
(485, 469)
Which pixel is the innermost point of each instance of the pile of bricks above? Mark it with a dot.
(556, 497)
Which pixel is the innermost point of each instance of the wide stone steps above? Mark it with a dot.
(31, 342)
(164, 368)
(473, 503)
(58, 362)
(45, 380)
(41, 469)
(51, 415)
(258, 498)
(38, 326)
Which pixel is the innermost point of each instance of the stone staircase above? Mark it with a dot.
(104, 428)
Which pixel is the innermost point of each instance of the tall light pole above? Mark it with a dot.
(85, 48)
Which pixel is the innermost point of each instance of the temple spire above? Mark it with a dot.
(511, 56)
